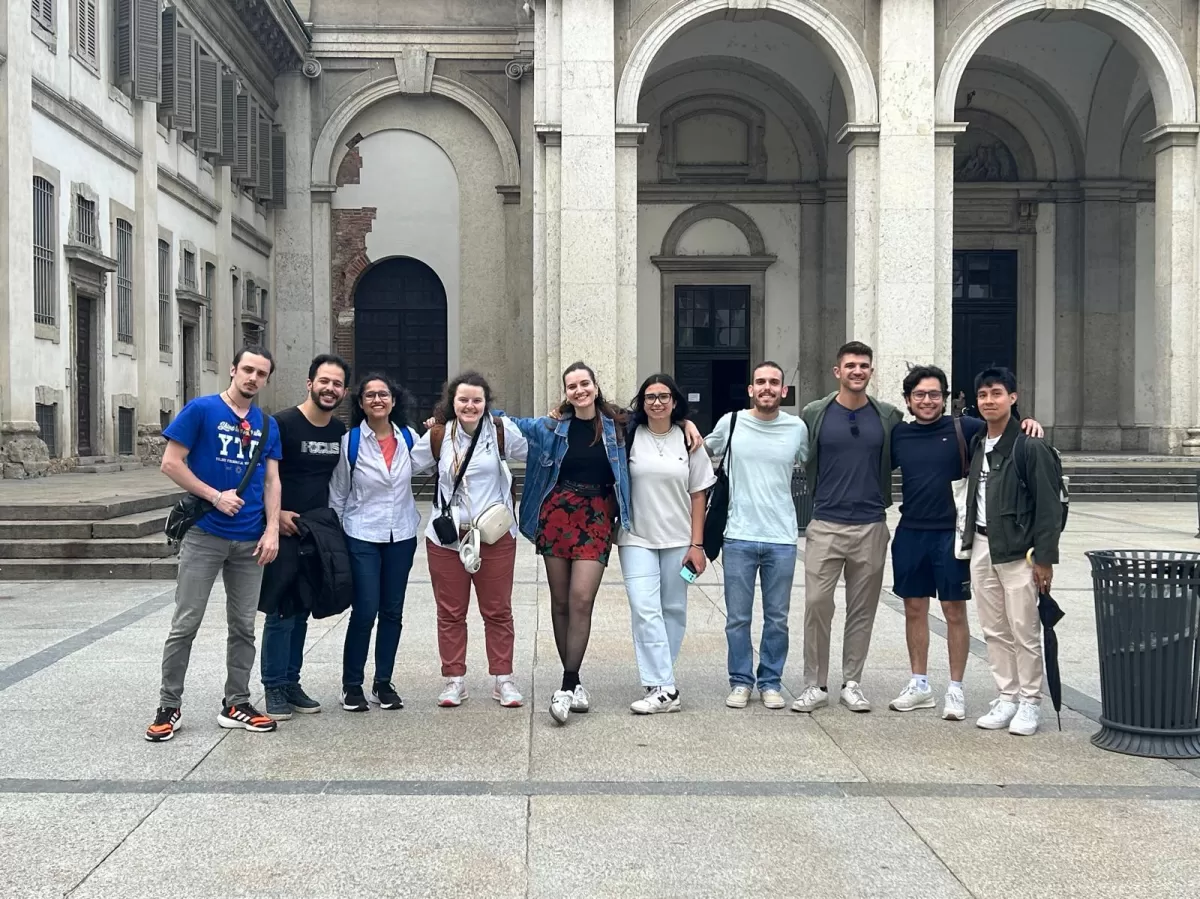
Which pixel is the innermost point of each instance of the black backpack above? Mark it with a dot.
(1021, 461)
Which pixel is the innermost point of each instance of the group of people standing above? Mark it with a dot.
(596, 476)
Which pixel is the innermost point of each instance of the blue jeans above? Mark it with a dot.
(282, 651)
(380, 579)
(775, 563)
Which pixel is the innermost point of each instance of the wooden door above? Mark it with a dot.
(84, 362)
(984, 316)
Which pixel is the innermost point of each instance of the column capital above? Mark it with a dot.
(549, 133)
(859, 134)
(631, 135)
(322, 193)
(1181, 134)
(944, 133)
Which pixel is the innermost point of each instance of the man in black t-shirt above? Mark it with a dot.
(312, 440)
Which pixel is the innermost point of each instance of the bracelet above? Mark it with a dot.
(217, 498)
(698, 545)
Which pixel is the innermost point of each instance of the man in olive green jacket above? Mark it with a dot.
(849, 471)
(1014, 517)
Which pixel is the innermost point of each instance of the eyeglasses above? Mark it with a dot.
(927, 395)
(377, 395)
(663, 398)
(244, 430)
(853, 426)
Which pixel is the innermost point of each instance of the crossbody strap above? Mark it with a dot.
(462, 469)
(962, 447)
(256, 455)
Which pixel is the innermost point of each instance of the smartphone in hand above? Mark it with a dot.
(688, 572)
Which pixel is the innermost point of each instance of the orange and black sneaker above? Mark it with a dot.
(247, 717)
(166, 722)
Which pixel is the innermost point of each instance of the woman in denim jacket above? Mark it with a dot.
(576, 493)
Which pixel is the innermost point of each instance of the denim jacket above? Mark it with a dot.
(547, 447)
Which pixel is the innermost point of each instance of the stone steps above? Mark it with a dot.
(151, 547)
(107, 464)
(134, 569)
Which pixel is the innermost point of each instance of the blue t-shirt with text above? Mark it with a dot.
(212, 433)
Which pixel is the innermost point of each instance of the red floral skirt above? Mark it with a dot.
(571, 526)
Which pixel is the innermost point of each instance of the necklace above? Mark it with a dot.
(234, 405)
(660, 440)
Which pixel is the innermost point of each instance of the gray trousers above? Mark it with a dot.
(201, 558)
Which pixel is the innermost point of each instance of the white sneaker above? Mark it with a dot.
(911, 698)
(655, 701)
(1025, 722)
(853, 697)
(811, 699)
(955, 708)
(738, 697)
(1001, 714)
(506, 693)
(772, 699)
(580, 701)
(454, 694)
(560, 705)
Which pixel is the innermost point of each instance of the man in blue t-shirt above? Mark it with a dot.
(210, 444)
(931, 452)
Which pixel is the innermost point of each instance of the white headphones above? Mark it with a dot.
(468, 551)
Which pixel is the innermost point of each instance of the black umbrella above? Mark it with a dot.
(1051, 614)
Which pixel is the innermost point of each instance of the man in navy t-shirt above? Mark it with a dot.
(931, 452)
(210, 444)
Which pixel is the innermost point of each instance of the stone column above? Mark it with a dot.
(154, 377)
(1177, 418)
(296, 338)
(547, 52)
(22, 452)
(588, 310)
(862, 240)
(811, 264)
(945, 136)
(627, 380)
(907, 312)
(1101, 316)
(1044, 315)
(1143, 318)
(1068, 314)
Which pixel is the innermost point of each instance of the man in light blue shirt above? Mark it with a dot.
(760, 535)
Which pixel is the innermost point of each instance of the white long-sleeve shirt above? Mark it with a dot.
(376, 503)
(486, 481)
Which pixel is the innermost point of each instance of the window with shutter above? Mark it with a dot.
(278, 169)
(185, 81)
(83, 32)
(123, 51)
(246, 166)
(170, 25)
(147, 55)
(263, 190)
(208, 104)
(229, 98)
(43, 13)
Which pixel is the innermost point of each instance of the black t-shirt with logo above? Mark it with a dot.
(310, 454)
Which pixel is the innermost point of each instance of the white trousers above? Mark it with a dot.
(657, 609)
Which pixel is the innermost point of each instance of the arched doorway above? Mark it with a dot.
(400, 327)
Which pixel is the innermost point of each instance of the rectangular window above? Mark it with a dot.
(164, 419)
(124, 431)
(83, 34)
(124, 281)
(248, 301)
(47, 421)
(45, 292)
(210, 284)
(252, 334)
(85, 221)
(43, 14)
(189, 269)
(164, 296)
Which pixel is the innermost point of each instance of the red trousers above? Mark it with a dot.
(493, 591)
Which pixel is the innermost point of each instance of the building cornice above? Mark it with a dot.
(246, 233)
(373, 41)
(80, 122)
(187, 194)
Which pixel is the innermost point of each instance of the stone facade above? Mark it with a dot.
(684, 186)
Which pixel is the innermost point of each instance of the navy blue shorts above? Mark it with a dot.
(923, 564)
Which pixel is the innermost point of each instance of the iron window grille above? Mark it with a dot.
(124, 431)
(124, 281)
(164, 296)
(45, 295)
(47, 422)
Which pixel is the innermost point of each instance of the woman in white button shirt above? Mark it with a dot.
(463, 419)
(374, 500)
(667, 493)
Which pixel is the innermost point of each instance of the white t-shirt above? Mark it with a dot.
(486, 481)
(981, 497)
(662, 478)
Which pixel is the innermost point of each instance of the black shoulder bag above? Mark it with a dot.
(718, 502)
(444, 526)
(189, 510)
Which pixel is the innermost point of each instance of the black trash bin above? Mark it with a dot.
(1147, 618)
(803, 499)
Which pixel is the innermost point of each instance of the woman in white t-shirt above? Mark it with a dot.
(463, 420)
(667, 494)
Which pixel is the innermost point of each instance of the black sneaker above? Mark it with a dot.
(166, 722)
(384, 695)
(353, 699)
(278, 706)
(300, 701)
(247, 717)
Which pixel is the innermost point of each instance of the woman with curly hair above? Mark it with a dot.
(663, 550)
(470, 447)
(371, 492)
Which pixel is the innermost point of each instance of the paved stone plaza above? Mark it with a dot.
(482, 801)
